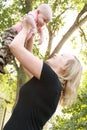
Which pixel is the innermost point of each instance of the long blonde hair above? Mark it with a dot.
(72, 76)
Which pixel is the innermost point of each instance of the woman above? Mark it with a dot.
(55, 80)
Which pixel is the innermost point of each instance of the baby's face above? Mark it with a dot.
(42, 20)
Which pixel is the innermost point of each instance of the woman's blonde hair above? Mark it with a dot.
(70, 79)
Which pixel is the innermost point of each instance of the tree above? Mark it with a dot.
(80, 20)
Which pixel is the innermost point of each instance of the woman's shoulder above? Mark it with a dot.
(47, 70)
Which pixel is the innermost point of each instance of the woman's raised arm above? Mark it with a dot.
(26, 58)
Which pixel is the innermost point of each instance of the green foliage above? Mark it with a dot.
(8, 87)
(79, 4)
(59, 8)
(8, 14)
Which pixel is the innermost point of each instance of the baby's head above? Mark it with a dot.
(46, 11)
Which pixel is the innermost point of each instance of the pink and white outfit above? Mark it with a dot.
(18, 26)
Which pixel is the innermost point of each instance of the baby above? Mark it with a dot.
(37, 18)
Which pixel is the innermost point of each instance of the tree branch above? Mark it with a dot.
(78, 23)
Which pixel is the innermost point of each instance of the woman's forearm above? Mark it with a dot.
(25, 57)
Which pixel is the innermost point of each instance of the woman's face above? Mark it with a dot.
(58, 61)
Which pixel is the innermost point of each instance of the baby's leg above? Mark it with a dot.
(5, 54)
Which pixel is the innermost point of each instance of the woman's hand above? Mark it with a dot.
(29, 22)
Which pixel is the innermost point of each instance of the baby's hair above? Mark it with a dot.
(46, 10)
